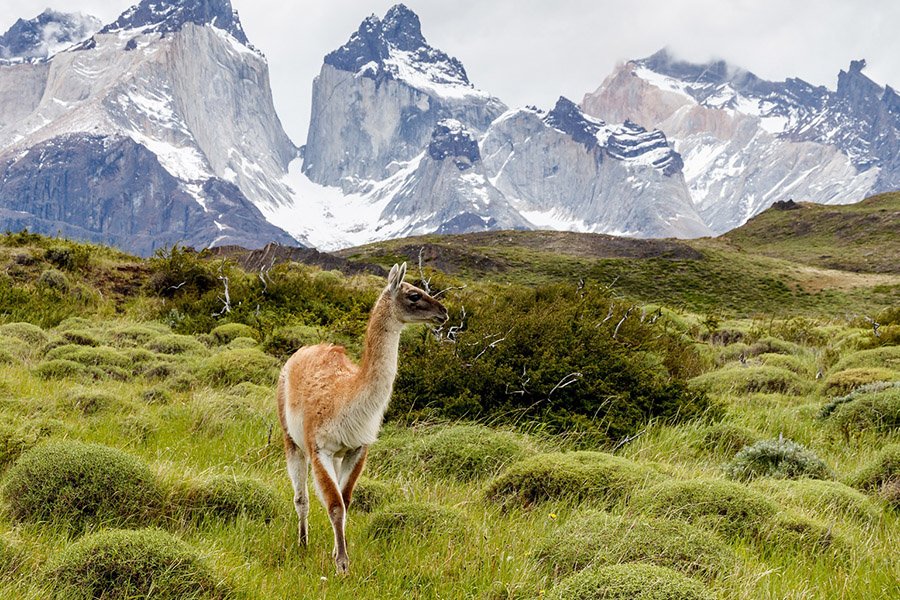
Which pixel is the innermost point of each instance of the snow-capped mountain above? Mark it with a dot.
(401, 142)
(46, 34)
(167, 112)
(747, 142)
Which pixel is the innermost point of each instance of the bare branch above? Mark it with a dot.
(627, 312)
(226, 301)
(565, 381)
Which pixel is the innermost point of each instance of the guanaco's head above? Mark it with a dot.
(412, 304)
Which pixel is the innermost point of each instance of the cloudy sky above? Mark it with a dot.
(532, 51)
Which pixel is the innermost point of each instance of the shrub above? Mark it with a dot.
(461, 452)
(79, 484)
(848, 380)
(751, 380)
(820, 496)
(121, 564)
(180, 272)
(52, 279)
(131, 335)
(880, 472)
(231, 367)
(223, 497)
(100, 356)
(592, 476)
(30, 334)
(415, 519)
(242, 343)
(781, 458)
(771, 345)
(370, 494)
(597, 538)
(726, 437)
(543, 354)
(633, 581)
(224, 334)
(832, 405)
(877, 411)
(722, 505)
(176, 344)
(14, 348)
(284, 341)
(80, 338)
(786, 361)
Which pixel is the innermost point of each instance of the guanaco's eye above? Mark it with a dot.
(414, 297)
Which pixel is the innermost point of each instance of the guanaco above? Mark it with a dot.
(331, 409)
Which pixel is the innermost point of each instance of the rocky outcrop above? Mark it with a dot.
(45, 34)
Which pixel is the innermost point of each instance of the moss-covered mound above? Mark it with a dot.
(789, 531)
(32, 335)
(883, 473)
(80, 484)
(231, 367)
(886, 357)
(752, 380)
(370, 494)
(633, 581)
(592, 476)
(13, 442)
(415, 519)
(461, 452)
(176, 344)
(780, 458)
(597, 538)
(225, 334)
(848, 380)
(121, 564)
(877, 411)
(820, 496)
(725, 437)
(223, 497)
(63, 369)
(832, 405)
(91, 402)
(722, 505)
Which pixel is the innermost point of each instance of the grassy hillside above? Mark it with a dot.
(731, 428)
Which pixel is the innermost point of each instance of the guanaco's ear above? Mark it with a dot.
(396, 277)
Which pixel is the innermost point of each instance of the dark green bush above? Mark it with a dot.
(597, 538)
(80, 484)
(179, 271)
(579, 476)
(230, 367)
(416, 520)
(723, 505)
(632, 581)
(71, 258)
(546, 355)
(122, 564)
(461, 452)
(780, 458)
(223, 497)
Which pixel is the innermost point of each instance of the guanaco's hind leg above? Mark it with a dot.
(326, 480)
(351, 468)
(298, 469)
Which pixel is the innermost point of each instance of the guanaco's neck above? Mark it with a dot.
(378, 366)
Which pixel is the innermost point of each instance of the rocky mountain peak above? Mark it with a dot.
(165, 16)
(451, 139)
(394, 48)
(853, 85)
(568, 118)
(45, 34)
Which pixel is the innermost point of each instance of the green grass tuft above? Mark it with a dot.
(80, 484)
(831, 498)
(227, 333)
(122, 564)
(32, 335)
(882, 474)
(752, 380)
(597, 538)
(222, 497)
(725, 437)
(177, 344)
(231, 367)
(370, 494)
(595, 477)
(844, 382)
(632, 581)
(876, 411)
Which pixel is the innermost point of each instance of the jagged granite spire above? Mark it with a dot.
(47, 32)
(377, 49)
(451, 139)
(166, 16)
